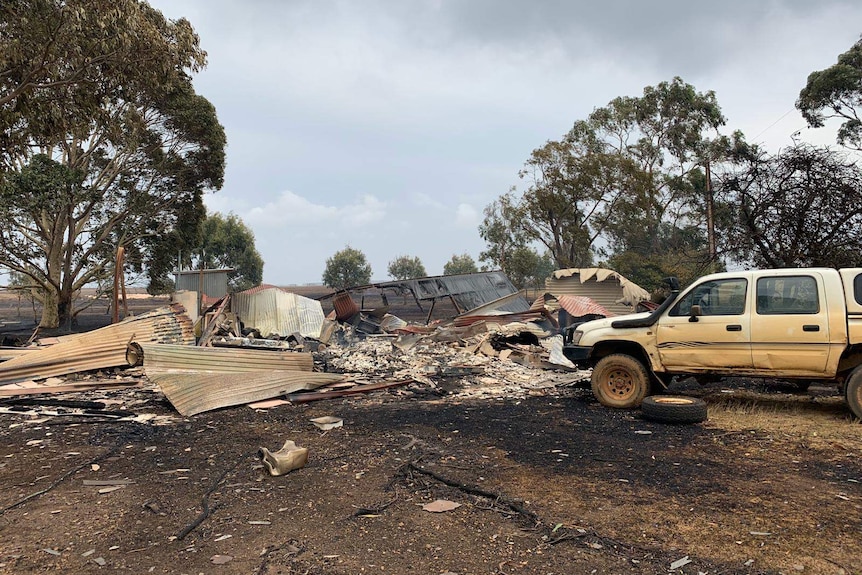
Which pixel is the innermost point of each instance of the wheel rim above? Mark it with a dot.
(673, 400)
(620, 384)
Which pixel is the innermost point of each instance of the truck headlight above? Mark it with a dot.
(576, 337)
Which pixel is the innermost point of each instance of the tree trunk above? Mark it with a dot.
(50, 310)
(65, 306)
(51, 291)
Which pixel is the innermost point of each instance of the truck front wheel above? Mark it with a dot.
(853, 392)
(620, 381)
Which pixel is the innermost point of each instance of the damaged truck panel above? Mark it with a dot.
(802, 324)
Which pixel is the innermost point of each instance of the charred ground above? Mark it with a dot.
(548, 480)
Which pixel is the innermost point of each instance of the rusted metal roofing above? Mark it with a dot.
(345, 307)
(277, 313)
(608, 288)
(101, 348)
(578, 306)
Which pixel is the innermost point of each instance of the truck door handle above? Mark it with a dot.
(810, 327)
(734, 327)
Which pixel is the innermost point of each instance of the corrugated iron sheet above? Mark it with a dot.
(195, 392)
(214, 281)
(101, 348)
(578, 306)
(345, 307)
(469, 291)
(513, 303)
(608, 288)
(277, 313)
(163, 357)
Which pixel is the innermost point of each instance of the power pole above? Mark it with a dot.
(710, 217)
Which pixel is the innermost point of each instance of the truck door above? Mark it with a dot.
(717, 340)
(790, 327)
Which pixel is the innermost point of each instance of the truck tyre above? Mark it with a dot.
(853, 392)
(674, 409)
(620, 381)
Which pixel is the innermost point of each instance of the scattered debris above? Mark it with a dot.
(327, 422)
(285, 460)
(221, 559)
(440, 506)
(680, 563)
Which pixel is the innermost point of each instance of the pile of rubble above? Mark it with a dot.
(268, 344)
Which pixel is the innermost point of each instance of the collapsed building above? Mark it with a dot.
(268, 343)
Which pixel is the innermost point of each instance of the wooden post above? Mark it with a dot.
(118, 275)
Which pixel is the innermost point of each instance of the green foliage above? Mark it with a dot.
(525, 267)
(102, 88)
(463, 264)
(836, 92)
(500, 232)
(406, 268)
(62, 62)
(802, 207)
(347, 268)
(626, 180)
(226, 242)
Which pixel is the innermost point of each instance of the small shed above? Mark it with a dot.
(606, 287)
(213, 283)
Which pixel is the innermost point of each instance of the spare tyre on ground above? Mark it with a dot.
(674, 409)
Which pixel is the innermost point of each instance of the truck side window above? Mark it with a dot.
(717, 297)
(857, 289)
(783, 295)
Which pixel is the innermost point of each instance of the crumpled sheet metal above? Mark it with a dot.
(285, 460)
(101, 348)
(277, 313)
(632, 292)
(578, 305)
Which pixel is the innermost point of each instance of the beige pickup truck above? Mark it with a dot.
(798, 324)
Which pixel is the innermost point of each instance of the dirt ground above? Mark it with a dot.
(547, 482)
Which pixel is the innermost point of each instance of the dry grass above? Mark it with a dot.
(820, 422)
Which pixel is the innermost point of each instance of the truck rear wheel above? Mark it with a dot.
(620, 381)
(853, 392)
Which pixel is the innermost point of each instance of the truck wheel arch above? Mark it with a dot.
(606, 348)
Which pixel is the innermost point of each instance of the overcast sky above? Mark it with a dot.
(389, 125)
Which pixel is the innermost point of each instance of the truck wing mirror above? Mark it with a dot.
(695, 312)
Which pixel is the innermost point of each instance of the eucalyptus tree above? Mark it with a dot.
(626, 183)
(406, 268)
(347, 268)
(460, 264)
(836, 92)
(105, 142)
